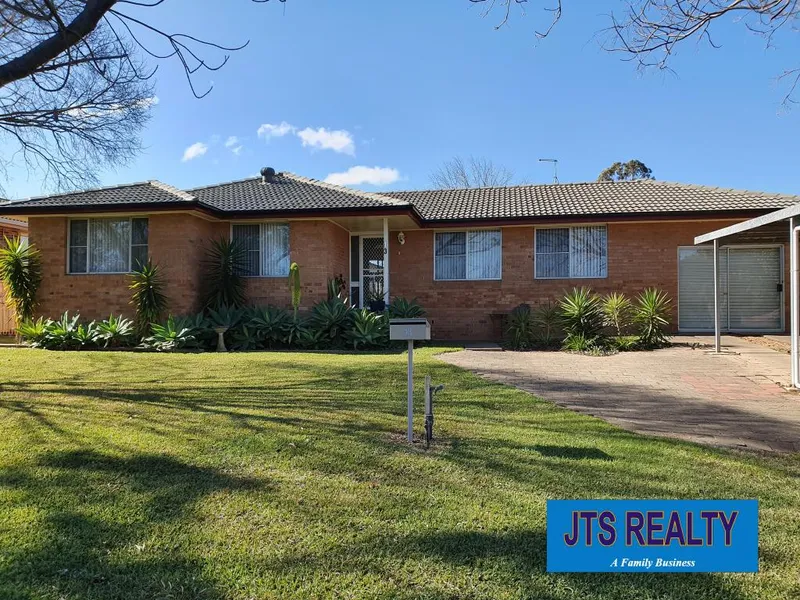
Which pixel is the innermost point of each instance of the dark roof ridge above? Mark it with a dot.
(153, 182)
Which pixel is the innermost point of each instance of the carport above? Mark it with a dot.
(773, 228)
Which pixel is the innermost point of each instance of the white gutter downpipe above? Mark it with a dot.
(794, 273)
(717, 342)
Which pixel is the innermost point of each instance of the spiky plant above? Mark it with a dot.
(652, 317)
(225, 266)
(148, 297)
(21, 274)
(294, 287)
(616, 312)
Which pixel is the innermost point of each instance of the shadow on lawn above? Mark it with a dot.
(100, 514)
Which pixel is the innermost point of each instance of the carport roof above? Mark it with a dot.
(744, 226)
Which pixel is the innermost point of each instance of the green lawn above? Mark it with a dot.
(278, 475)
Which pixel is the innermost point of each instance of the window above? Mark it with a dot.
(107, 245)
(460, 255)
(571, 252)
(267, 247)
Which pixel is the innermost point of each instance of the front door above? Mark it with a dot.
(366, 270)
(750, 283)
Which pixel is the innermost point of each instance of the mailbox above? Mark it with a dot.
(409, 329)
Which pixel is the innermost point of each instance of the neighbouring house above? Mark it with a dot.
(9, 228)
(469, 255)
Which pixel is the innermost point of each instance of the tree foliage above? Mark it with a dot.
(21, 275)
(627, 171)
(474, 172)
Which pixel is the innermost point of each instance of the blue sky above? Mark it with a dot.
(402, 86)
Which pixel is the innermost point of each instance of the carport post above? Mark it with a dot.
(717, 346)
(793, 297)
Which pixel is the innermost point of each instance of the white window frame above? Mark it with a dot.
(88, 246)
(261, 249)
(466, 233)
(569, 262)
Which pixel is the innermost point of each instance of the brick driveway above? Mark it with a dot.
(737, 399)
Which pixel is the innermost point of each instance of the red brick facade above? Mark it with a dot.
(640, 255)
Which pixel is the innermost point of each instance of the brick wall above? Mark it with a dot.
(640, 255)
(177, 243)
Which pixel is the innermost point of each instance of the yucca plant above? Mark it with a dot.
(21, 274)
(581, 313)
(617, 312)
(115, 332)
(547, 321)
(367, 330)
(652, 318)
(225, 266)
(401, 308)
(519, 328)
(148, 297)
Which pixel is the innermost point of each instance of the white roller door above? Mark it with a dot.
(751, 297)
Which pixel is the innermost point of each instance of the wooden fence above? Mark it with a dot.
(6, 315)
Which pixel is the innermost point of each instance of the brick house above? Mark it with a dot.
(468, 256)
(9, 228)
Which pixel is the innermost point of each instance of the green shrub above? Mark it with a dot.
(21, 275)
(63, 333)
(200, 326)
(519, 328)
(580, 342)
(617, 312)
(148, 298)
(245, 337)
(367, 330)
(34, 332)
(272, 325)
(581, 314)
(224, 266)
(169, 336)
(547, 323)
(401, 308)
(115, 332)
(310, 338)
(652, 318)
(331, 318)
(623, 343)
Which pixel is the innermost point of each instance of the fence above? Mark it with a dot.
(6, 315)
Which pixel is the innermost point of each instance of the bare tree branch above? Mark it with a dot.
(475, 172)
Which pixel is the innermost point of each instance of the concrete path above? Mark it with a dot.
(736, 399)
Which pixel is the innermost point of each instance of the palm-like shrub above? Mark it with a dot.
(367, 330)
(617, 312)
(581, 313)
(547, 321)
(401, 308)
(115, 332)
(148, 297)
(21, 274)
(225, 283)
(652, 318)
(519, 328)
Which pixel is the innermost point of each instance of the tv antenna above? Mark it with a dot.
(555, 167)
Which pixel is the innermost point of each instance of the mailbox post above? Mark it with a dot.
(410, 330)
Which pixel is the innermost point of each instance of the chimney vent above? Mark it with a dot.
(267, 175)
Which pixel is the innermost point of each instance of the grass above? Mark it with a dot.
(278, 475)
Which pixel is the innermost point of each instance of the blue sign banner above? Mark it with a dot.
(652, 536)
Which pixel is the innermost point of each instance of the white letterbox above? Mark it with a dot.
(409, 329)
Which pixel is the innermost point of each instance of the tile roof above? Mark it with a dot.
(145, 192)
(585, 199)
(287, 193)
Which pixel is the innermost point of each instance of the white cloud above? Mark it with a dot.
(337, 140)
(194, 151)
(268, 130)
(361, 175)
(231, 141)
(237, 150)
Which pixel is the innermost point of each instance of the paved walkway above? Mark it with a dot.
(736, 399)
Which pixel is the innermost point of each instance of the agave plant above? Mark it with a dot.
(310, 338)
(519, 328)
(225, 267)
(115, 332)
(200, 325)
(169, 336)
(63, 334)
(272, 324)
(21, 274)
(581, 313)
(225, 317)
(401, 308)
(245, 338)
(331, 318)
(148, 296)
(33, 332)
(652, 318)
(86, 336)
(616, 312)
(367, 330)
